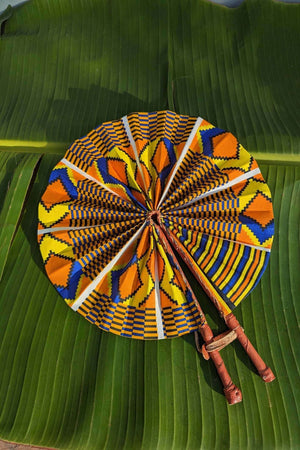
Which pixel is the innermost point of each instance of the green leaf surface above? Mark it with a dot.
(238, 67)
(65, 68)
(69, 66)
(15, 175)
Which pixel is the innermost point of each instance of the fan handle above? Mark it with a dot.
(263, 370)
(232, 392)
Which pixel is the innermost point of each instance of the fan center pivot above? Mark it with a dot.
(154, 217)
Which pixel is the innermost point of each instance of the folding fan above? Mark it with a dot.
(131, 197)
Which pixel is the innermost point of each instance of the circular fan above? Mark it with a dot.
(128, 194)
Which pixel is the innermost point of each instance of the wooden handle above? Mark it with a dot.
(263, 370)
(232, 393)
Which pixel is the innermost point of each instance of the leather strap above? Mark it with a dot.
(216, 344)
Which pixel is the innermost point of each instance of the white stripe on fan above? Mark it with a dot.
(179, 161)
(84, 295)
(233, 182)
(133, 145)
(158, 313)
(56, 229)
(89, 177)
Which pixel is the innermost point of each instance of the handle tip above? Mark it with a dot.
(267, 375)
(233, 394)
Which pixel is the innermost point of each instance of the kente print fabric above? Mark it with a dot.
(129, 183)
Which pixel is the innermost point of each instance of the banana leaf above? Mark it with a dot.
(65, 68)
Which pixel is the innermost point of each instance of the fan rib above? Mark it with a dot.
(132, 143)
(89, 177)
(158, 312)
(223, 187)
(183, 153)
(55, 229)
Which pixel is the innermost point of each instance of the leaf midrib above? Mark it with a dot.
(59, 149)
